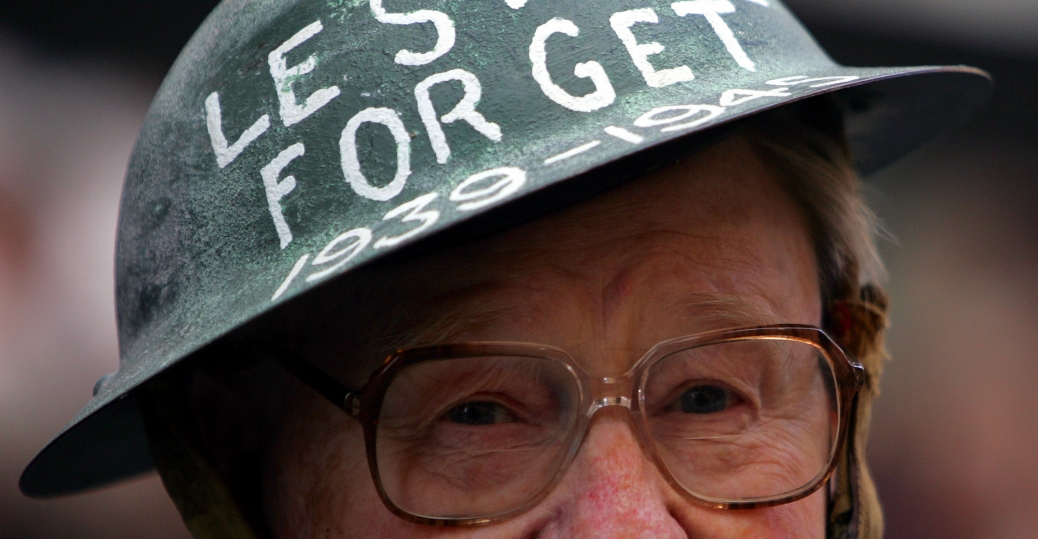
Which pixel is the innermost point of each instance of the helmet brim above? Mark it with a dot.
(888, 112)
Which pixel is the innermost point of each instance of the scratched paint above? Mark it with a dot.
(319, 135)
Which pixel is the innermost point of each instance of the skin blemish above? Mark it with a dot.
(615, 294)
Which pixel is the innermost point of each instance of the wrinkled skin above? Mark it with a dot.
(710, 242)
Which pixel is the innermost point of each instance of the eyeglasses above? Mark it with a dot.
(474, 433)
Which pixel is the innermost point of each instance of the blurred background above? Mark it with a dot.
(955, 438)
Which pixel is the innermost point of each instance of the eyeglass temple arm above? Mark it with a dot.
(323, 383)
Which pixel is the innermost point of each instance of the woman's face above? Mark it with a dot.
(712, 242)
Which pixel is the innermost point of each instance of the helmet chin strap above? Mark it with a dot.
(198, 489)
(854, 510)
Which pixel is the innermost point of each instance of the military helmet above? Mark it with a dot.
(296, 140)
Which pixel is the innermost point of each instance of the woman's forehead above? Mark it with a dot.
(720, 187)
(707, 243)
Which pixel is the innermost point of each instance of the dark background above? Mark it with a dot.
(955, 439)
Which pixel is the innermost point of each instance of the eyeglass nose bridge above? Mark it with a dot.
(606, 392)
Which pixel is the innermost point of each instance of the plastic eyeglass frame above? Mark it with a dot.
(364, 404)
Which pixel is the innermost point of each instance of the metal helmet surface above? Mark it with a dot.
(295, 140)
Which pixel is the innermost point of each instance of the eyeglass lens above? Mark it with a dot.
(744, 420)
(479, 436)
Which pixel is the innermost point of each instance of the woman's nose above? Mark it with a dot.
(612, 489)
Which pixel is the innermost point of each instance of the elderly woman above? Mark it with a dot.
(395, 272)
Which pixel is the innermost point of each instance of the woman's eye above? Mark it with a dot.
(479, 413)
(705, 400)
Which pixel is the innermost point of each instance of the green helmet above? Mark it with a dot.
(296, 140)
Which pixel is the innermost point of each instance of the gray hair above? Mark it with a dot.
(806, 146)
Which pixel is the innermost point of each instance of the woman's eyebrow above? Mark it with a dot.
(720, 311)
(440, 327)
(703, 311)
